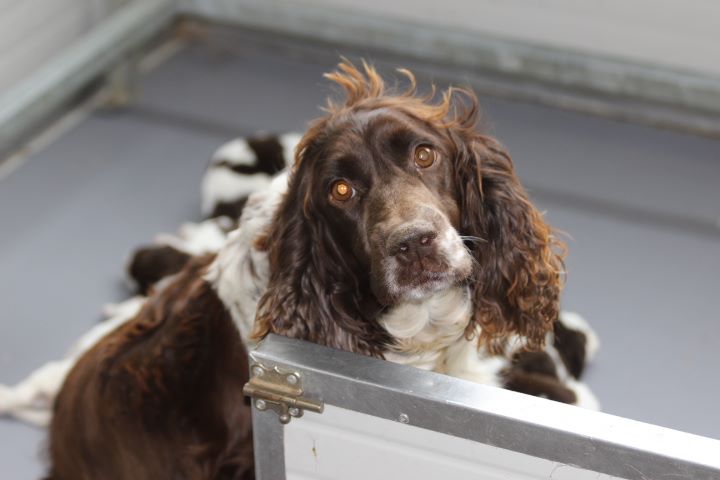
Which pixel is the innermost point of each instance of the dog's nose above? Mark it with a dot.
(413, 244)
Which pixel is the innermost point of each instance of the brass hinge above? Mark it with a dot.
(281, 391)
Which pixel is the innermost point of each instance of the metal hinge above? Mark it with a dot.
(280, 391)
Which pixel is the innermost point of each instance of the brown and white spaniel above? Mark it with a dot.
(401, 232)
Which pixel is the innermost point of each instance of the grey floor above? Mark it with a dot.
(642, 207)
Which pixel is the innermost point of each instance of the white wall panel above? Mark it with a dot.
(33, 31)
(383, 420)
(341, 444)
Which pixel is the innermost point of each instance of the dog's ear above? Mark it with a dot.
(315, 290)
(519, 262)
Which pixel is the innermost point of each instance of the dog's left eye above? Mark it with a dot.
(424, 156)
(342, 191)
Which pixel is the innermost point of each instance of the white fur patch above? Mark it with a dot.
(235, 152)
(289, 142)
(223, 185)
(240, 273)
(434, 322)
(585, 397)
(464, 360)
(196, 238)
(430, 335)
(31, 400)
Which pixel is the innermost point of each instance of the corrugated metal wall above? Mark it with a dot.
(33, 31)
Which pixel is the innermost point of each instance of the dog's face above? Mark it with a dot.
(387, 189)
(393, 198)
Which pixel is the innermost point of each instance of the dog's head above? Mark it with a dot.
(393, 198)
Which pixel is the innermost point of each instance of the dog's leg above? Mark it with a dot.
(31, 400)
(540, 385)
(542, 374)
(585, 397)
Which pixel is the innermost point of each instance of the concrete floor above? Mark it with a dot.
(641, 205)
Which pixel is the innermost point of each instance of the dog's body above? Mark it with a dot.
(400, 233)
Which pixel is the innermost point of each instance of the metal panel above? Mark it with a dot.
(527, 425)
(33, 31)
(342, 444)
(27, 105)
(268, 439)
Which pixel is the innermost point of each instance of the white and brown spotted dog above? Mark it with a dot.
(400, 232)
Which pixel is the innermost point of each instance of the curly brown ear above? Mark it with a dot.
(519, 262)
(315, 291)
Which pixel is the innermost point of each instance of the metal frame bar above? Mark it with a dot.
(269, 445)
(588, 440)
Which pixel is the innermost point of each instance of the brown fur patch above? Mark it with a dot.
(540, 385)
(161, 397)
(148, 265)
(571, 345)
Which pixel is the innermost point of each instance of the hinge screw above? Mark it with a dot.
(404, 418)
(294, 411)
(261, 405)
(292, 379)
(258, 370)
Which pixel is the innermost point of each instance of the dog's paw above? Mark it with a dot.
(585, 397)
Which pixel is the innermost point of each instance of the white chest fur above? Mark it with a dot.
(430, 334)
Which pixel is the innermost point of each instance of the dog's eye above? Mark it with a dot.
(424, 156)
(342, 191)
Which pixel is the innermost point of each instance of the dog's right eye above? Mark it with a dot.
(424, 156)
(342, 191)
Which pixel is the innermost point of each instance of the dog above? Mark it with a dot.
(401, 232)
(232, 176)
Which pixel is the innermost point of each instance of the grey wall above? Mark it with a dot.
(679, 34)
